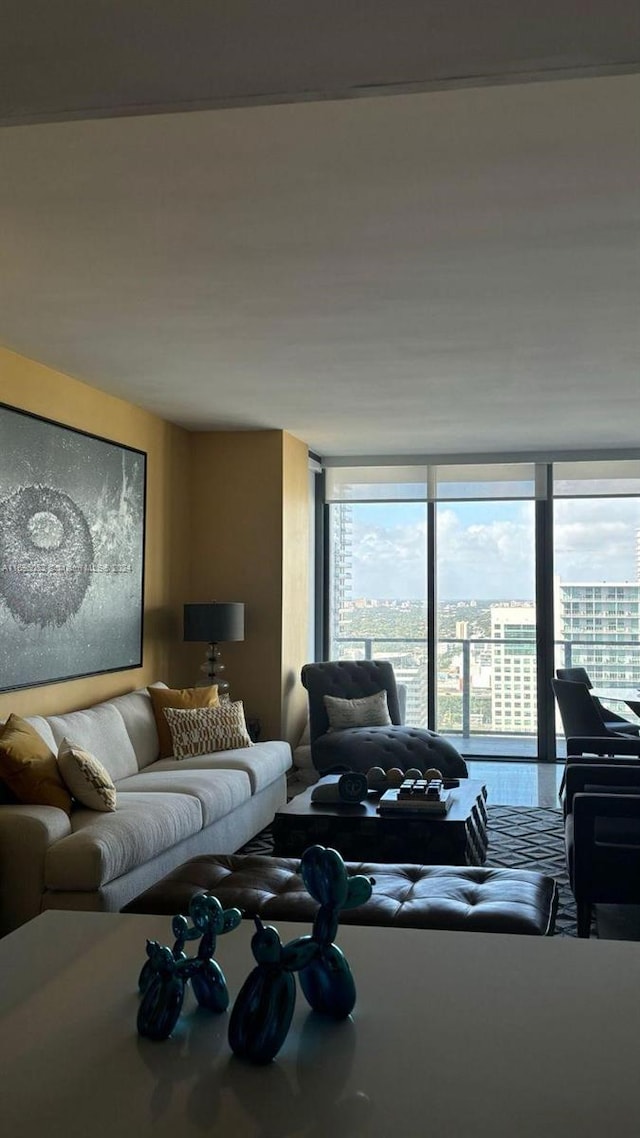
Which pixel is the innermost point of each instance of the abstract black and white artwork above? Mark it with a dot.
(72, 516)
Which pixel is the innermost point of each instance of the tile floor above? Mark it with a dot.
(518, 783)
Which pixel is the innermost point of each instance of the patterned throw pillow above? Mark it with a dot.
(368, 711)
(200, 730)
(161, 698)
(86, 778)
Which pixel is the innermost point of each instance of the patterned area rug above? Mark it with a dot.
(523, 837)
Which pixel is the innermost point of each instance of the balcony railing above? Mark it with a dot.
(470, 707)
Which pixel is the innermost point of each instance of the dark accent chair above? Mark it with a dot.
(581, 716)
(588, 736)
(602, 836)
(583, 750)
(359, 748)
(613, 721)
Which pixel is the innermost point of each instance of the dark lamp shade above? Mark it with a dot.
(214, 621)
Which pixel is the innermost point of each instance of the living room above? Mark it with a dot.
(310, 244)
(536, 243)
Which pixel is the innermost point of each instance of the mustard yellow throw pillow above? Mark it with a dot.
(29, 768)
(85, 776)
(177, 697)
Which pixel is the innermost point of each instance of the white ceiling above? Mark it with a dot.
(444, 271)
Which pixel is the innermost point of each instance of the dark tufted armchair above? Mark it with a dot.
(602, 836)
(358, 748)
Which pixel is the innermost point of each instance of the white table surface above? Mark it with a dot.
(453, 1035)
(620, 695)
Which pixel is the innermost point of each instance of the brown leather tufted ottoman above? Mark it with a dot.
(409, 896)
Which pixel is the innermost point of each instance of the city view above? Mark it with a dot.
(486, 645)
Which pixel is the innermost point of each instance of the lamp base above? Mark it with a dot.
(214, 671)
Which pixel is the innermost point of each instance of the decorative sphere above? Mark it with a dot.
(395, 777)
(413, 772)
(432, 772)
(376, 778)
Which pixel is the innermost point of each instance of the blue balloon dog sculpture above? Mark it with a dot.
(166, 971)
(264, 1007)
(263, 1010)
(327, 981)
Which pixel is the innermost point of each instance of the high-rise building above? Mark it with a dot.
(341, 580)
(598, 626)
(410, 670)
(513, 692)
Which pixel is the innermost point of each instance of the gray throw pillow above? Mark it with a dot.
(368, 711)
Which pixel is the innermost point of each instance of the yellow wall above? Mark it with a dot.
(227, 519)
(32, 387)
(250, 527)
(295, 585)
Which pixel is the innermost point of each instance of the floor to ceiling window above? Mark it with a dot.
(597, 573)
(486, 620)
(377, 589)
(439, 568)
(485, 612)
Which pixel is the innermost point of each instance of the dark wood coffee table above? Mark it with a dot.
(361, 834)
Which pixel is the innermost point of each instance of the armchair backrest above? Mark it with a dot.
(347, 679)
(576, 675)
(578, 710)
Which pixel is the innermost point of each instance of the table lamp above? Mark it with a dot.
(213, 622)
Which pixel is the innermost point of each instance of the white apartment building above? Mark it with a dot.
(513, 692)
(341, 580)
(410, 668)
(598, 627)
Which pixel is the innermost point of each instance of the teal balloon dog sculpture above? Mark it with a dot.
(264, 1006)
(166, 971)
(327, 981)
(263, 1010)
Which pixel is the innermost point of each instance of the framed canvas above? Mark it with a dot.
(72, 528)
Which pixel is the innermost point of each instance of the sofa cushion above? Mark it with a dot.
(43, 729)
(102, 847)
(201, 730)
(218, 791)
(136, 710)
(101, 731)
(28, 766)
(85, 777)
(263, 762)
(177, 697)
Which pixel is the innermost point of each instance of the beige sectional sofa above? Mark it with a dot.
(168, 810)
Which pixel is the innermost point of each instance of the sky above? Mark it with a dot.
(486, 549)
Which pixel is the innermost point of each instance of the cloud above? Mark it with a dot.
(595, 540)
(389, 561)
(493, 560)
